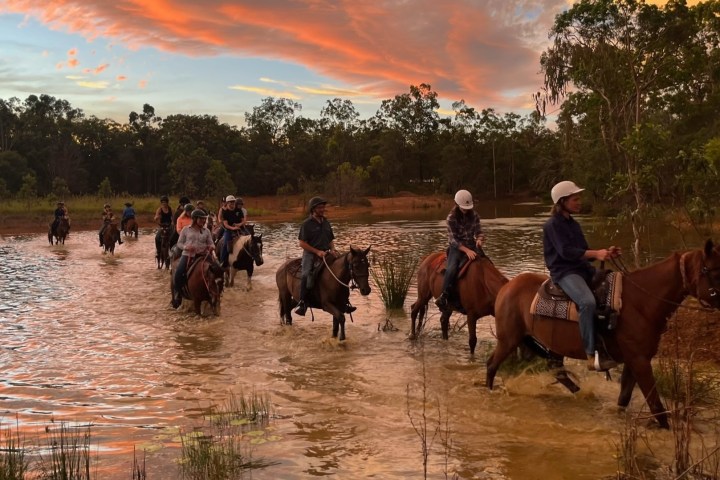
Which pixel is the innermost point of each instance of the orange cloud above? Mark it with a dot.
(72, 62)
(142, 84)
(101, 68)
(121, 78)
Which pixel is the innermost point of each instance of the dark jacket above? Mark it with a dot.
(564, 245)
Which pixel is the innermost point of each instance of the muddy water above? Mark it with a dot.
(89, 338)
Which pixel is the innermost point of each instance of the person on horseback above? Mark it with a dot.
(108, 216)
(128, 213)
(61, 212)
(232, 221)
(567, 257)
(465, 239)
(180, 209)
(194, 240)
(182, 214)
(241, 205)
(316, 238)
(163, 217)
(201, 205)
(185, 219)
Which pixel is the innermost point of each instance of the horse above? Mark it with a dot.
(162, 246)
(650, 296)
(204, 283)
(247, 252)
(61, 231)
(131, 227)
(332, 286)
(110, 236)
(476, 289)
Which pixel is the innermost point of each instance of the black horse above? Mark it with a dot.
(162, 246)
(247, 253)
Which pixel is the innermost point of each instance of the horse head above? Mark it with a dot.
(360, 269)
(256, 249)
(701, 270)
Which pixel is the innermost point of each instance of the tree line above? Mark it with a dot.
(634, 88)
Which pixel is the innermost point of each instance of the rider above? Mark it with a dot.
(194, 240)
(465, 239)
(108, 216)
(232, 221)
(163, 216)
(180, 208)
(316, 238)
(185, 219)
(128, 213)
(201, 205)
(241, 205)
(180, 211)
(567, 257)
(61, 212)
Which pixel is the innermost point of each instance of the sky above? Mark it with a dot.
(223, 57)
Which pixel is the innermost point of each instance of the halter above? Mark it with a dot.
(245, 248)
(353, 283)
(704, 271)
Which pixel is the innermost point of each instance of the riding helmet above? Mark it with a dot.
(128, 204)
(564, 189)
(198, 213)
(184, 200)
(315, 201)
(464, 199)
(189, 207)
(107, 205)
(164, 198)
(230, 198)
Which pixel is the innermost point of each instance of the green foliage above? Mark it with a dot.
(28, 189)
(60, 188)
(105, 189)
(393, 276)
(217, 180)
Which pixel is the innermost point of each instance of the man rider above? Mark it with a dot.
(163, 216)
(232, 221)
(128, 213)
(316, 238)
(60, 212)
(108, 216)
(194, 240)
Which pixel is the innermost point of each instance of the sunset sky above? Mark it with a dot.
(222, 57)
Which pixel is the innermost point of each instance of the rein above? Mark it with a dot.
(205, 280)
(352, 284)
(622, 268)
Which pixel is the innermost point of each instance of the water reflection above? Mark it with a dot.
(92, 338)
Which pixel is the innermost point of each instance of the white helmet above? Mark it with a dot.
(464, 199)
(564, 189)
(229, 199)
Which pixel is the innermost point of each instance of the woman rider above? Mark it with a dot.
(567, 257)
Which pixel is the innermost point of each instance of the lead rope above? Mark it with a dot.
(351, 285)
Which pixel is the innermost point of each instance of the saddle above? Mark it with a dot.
(551, 301)
(295, 269)
(439, 264)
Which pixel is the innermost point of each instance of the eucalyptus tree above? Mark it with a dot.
(145, 127)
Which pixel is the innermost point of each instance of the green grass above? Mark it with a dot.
(14, 463)
(393, 276)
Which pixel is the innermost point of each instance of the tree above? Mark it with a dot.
(105, 189)
(28, 190)
(217, 180)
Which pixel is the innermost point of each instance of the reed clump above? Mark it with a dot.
(393, 276)
(14, 463)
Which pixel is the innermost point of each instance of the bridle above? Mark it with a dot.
(352, 284)
(255, 257)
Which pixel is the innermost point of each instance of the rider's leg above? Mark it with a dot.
(179, 281)
(306, 265)
(227, 245)
(454, 256)
(100, 234)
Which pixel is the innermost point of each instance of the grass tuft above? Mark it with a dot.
(393, 276)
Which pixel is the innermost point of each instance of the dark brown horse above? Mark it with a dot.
(476, 290)
(162, 246)
(111, 235)
(204, 283)
(61, 231)
(331, 292)
(131, 227)
(650, 295)
(247, 252)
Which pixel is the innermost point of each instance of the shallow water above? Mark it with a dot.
(91, 339)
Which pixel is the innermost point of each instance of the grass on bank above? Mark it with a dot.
(393, 275)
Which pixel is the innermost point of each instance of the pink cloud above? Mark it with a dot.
(121, 78)
(101, 68)
(142, 84)
(475, 50)
(72, 62)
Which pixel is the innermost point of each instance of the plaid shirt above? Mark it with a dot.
(464, 230)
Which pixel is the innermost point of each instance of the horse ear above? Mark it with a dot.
(367, 250)
(708, 247)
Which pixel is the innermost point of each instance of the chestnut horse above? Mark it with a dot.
(60, 233)
(204, 283)
(476, 290)
(131, 227)
(650, 295)
(331, 292)
(110, 236)
(162, 246)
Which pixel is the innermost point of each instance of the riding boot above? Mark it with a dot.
(442, 300)
(349, 308)
(600, 363)
(301, 307)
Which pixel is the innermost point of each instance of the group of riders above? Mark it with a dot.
(565, 249)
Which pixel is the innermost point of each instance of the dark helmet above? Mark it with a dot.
(164, 198)
(315, 201)
(184, 200)
(61, 203)
(198, 213)
(239, 201)
(128, 204)
(189, 207)
(107, 205)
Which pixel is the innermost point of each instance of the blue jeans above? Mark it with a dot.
(228, 236)
(578, 290)
(179, 277)
(454, 257)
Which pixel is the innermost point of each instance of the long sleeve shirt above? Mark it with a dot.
(564, 246)
(195, 241)
(463, 229)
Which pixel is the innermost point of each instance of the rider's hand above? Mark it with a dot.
(470, 253)
(480, 240)
(321, 253)
(615, 252)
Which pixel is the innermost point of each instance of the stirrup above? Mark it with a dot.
(301, 308)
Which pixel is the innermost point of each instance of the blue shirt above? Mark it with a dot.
(564, 245)
(128, 212)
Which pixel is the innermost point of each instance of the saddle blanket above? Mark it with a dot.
(567, 310)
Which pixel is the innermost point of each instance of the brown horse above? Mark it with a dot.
(476, 290)
(204, 283)
(111, 235)
(61, 231)
(332, 286)
(650, 295)
(162, 246)
(131, 227)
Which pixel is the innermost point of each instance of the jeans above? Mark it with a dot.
(454, 257)
(306, 264)
(578, 290)
(228, 236)
(179, 274)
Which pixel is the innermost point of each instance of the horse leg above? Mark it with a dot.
(642, 371)
(197, 304)
(507, 342)
(417, 314)
(472, 332)
(445, 324)
(627, 384)
(339, 326)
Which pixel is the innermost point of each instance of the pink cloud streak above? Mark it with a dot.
(474, 50)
